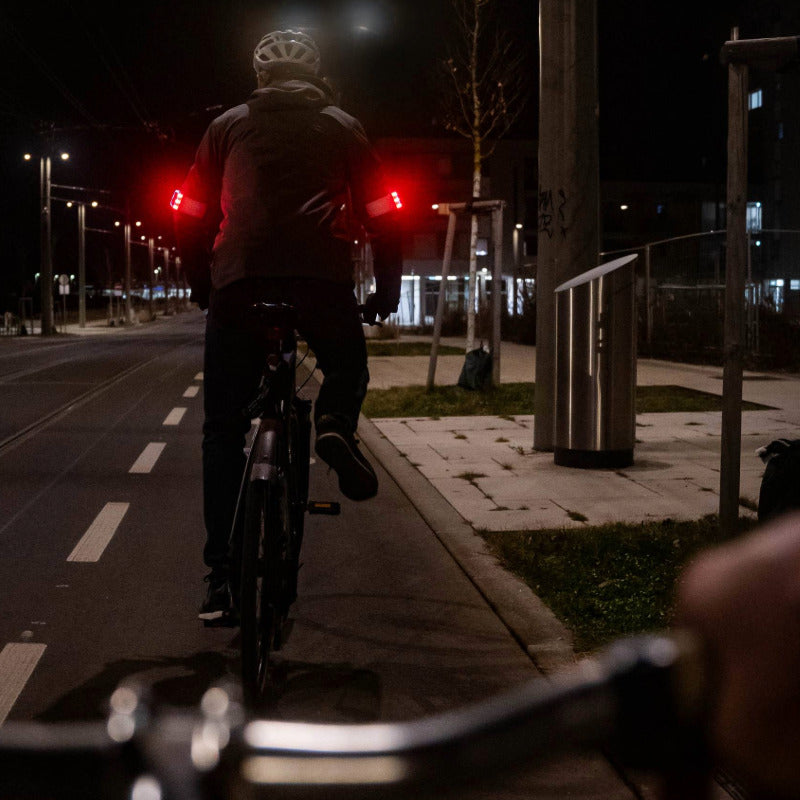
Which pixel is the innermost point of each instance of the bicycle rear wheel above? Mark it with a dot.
(263, 609)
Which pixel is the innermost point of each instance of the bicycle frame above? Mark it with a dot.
(272, 406)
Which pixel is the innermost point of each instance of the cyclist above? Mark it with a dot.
(280, 187)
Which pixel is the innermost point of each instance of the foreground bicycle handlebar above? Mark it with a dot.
(643, 699)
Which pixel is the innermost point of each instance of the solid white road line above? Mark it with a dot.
(100, 533)
(147, 460)
(191, 391)
(175, 416)
(17, 662)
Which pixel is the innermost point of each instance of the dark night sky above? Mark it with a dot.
(127, 85)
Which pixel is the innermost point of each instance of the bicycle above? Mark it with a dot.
(267, 532)
(645, 699)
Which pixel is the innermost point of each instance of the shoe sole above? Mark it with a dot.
(225, 621)
(356, 481)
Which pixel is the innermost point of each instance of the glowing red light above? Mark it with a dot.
(396, 197)
(175, 202)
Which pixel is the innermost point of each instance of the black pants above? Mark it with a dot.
(328, 320)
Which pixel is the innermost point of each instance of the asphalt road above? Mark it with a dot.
(387, 626)
(101, 569)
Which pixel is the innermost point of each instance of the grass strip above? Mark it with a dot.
(511, 399)
(606, 581)
(449, 401)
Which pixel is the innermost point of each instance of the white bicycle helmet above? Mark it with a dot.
(286, 47)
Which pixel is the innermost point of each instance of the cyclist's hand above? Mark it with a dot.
(744, 600)
(376, 305)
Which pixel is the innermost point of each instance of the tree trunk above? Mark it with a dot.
(473, 261)
(477, 157)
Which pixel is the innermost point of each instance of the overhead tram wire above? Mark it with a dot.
(17, 37)
(119, 76)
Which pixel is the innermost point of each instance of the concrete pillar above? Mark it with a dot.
(569, 182)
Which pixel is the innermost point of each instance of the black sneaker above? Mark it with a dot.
(218, 598)
(338, 448)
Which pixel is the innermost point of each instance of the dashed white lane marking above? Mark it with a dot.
(147, 459)
(199, 376)
(175, 416)
(100, 533)
(191, 391)
(17, 663)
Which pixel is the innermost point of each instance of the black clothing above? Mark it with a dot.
(283, 185)
(328, 320)
(279, 189)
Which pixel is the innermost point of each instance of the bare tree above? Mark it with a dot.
(487, 87)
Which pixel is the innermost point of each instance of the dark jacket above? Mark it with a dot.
(282, 185)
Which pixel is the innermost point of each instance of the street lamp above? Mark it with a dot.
(46, 267)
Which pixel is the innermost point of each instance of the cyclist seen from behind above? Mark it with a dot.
(280, 187)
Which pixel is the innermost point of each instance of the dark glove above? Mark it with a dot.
(200, 292)
(379, 305)
(201, 298)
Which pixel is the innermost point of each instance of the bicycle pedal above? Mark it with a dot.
(323, 507)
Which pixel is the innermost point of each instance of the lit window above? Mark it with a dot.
(794, 285)
(659, 208)
(482, 248)
(755, 100)
(776, 283)
(753, 217)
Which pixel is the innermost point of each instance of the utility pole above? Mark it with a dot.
(82, 265)
(165, 253)
(569, 182)
(736, 264)
(46, 267)
(739, 55)
(127, 233)
(151, 280)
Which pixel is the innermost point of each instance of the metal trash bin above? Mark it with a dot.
(595, 413)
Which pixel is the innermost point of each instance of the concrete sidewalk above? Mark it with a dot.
(481, 472)
(487, 470)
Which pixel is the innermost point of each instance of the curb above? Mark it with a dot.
(544, 638)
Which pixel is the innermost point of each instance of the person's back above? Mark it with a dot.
(280, 187)
(286, 161)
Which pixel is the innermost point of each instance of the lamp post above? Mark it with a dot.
(126, 232)
(81, 258)
(46, 248)
(165, 253)
(81, 265)
(46, 251)
(151, 273)
(128, 306)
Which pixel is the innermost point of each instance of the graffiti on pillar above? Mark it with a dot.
(552, 212)
(562, 217)
(546, 212)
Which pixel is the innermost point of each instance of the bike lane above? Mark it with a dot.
(389, 626)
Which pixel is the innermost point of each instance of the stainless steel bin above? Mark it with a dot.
(595, 414)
